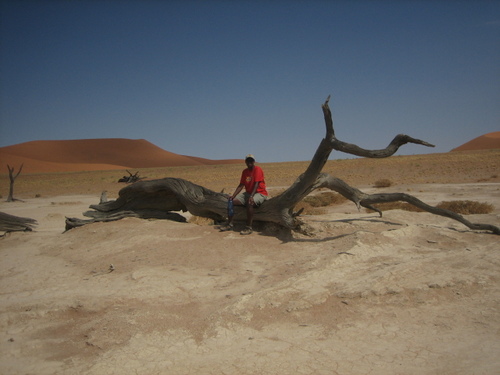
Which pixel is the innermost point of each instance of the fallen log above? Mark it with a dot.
(175, 194)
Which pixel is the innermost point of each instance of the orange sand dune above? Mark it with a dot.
(484, 142)
(94, 154)
(38, 166)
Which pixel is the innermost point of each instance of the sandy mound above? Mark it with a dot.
(484, 142)
(409, 293)
(94, 154)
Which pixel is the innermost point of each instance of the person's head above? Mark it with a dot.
(250, 161)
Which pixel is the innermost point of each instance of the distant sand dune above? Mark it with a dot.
(484, 142)
(94, 154)
(119, 153)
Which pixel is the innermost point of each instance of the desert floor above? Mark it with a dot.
(408, 293)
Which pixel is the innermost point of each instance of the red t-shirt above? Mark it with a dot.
(250, 177)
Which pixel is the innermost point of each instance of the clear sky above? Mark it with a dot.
(221, 79)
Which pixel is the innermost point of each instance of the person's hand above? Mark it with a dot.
(250, 200)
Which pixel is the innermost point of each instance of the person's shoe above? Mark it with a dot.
(226, 227)
(247, 230)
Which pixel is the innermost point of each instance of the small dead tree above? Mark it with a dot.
(12, 178)
(131, 178)
(158, 198)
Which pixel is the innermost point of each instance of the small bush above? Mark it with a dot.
(459, 207)
(382, 183)
(313, 204)
(466, 207)
(324, 199)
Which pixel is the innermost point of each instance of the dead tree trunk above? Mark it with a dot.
(158, 197)
(12, 178)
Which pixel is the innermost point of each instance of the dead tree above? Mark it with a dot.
(131, 178)
(156, 198)
(12, 178)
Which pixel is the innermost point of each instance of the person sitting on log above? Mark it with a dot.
(252, 179)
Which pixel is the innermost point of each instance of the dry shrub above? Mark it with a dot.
(459, 207)
(198, 220)
(308, 209)
(313, 204)
(382, 183)
(324, 199)
(466, 207)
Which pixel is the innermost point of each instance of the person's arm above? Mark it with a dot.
(237, 191)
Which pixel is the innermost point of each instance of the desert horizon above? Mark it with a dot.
(451, 167)
(120, 154)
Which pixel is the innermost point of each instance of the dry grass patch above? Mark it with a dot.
(198, 220)
(459, 207)
(324, 199)
(382, 183)
(314, 204)
(467, 207)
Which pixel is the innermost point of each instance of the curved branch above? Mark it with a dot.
(349, 148)
(368, 200)
(398, 141)
(304, 184)
(395, 197)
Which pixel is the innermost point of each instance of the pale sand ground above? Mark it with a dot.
(409, 293)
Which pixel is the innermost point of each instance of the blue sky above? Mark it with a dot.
(221, 79)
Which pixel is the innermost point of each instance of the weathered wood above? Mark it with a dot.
(174, 194)
(118, 215)
(11, 223)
